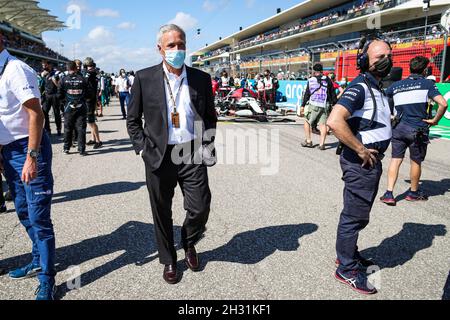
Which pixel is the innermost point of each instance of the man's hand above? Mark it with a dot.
(431, 122)
(302, 112)
(30, 170)
(368, 156)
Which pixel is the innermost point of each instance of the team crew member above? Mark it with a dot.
(27, 162)
(50, 97)
(224, 84)
(74, 90)
(362, 122)
(320, 96)
(411, 97)
(123, 91)
(268, 88)
(91, 77)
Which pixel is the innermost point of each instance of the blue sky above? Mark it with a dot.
(123, 33)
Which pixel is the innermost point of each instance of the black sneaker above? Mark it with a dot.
(388, 198)
(66, 152)
(416, 196)
(90, 143)
(3, 208)
(357, 281)
(83, 153)
(98, 145)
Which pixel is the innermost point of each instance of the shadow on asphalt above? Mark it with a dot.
(401, 248)
(446, 295)
(252, 247)
(134, 239)
(98, 190)
(431, 188)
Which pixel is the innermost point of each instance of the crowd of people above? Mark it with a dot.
(307, 24)
(16, 41)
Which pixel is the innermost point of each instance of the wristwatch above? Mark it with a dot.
(34, 154)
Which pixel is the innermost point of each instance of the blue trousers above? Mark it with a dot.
(361, 188)
(124, 98)
(33, 202)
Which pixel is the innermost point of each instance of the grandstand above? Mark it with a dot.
(328, 32)
(22, 23)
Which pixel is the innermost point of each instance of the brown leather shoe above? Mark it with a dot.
(192, 260)
(170, 274)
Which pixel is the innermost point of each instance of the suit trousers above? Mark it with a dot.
(161, 184)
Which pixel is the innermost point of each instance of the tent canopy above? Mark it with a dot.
(28, 16)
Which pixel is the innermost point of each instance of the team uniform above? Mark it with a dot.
(411, 100)
(361, 183)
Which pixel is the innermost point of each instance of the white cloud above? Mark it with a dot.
(101, 35)
(184, 20)
(126, 26)
(109, 55)
(109, 13)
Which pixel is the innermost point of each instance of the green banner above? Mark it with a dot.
(444, 88)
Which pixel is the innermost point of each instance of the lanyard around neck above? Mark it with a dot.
(174, 100)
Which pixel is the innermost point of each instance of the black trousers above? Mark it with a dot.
(161, 184)
(52, 102)
(75, 120)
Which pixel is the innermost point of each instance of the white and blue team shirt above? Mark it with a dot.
(410, 98)
(358, 101)
(18, 84)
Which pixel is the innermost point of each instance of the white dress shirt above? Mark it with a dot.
(184, 106)
(18, 84)
(122, 84)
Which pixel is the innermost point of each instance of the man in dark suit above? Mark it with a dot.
(176, 144)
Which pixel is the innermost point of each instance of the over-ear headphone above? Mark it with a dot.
(362, 58)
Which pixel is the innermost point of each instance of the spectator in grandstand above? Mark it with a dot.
(50, 99)
(90, 73)
(414, 119)
(319, 97)
(361, 120)
(26, 159)
(123, 86)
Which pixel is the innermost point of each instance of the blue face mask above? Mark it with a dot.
(176, 58)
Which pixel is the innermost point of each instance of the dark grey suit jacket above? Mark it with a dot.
(148, 98)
